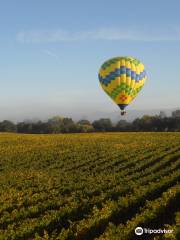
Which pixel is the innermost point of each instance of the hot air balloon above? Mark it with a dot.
(122, 78)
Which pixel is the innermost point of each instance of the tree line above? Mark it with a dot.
(157, 123)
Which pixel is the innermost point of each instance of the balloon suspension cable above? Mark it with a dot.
(123, 112)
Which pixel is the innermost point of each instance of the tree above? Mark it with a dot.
(68, 125)
(103, 124)
(7, 126)
(23, 127)
(176, 114)
(55, 124)
(84, 126)
(84, 122)
(123, 125)
(162, 114)
(61, 125)
(39, 127)
(146, 123)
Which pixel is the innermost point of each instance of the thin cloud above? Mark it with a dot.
(50, 53)
(59, 35)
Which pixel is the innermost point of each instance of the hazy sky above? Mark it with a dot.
(51, 51)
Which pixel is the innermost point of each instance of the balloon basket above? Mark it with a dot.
(123, 113)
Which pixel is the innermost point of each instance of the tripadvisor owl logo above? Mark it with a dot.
(139, 231)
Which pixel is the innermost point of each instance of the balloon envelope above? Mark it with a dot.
(122, 78)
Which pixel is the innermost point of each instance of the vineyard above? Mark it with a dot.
(89, 186)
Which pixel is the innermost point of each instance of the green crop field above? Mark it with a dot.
(89, 186)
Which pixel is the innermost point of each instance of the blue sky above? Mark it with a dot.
(51, 52)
